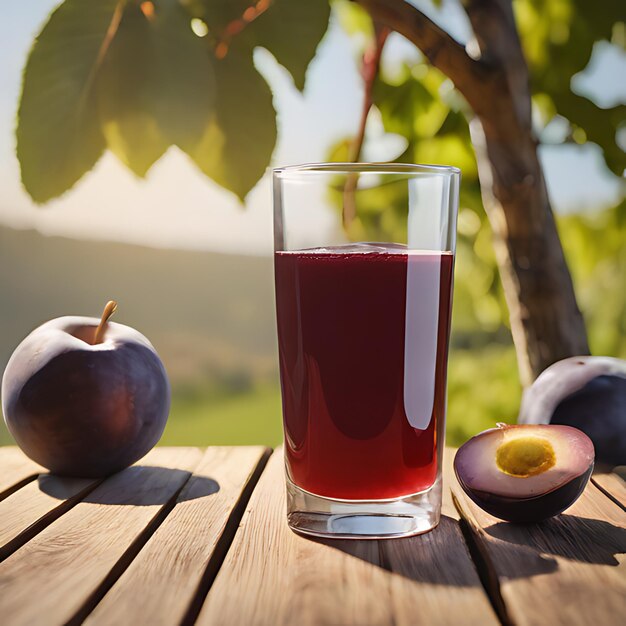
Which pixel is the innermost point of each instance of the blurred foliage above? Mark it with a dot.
(595, 247)
(558, 38)
(418, 103)
(137, 76)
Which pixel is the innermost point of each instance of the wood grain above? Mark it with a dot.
(60, 574)
(567, 570)
(36, 505)
(273, 576)
(613, 486)
(17, 470)
(171, 567)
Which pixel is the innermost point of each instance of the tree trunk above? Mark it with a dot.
(546, 322)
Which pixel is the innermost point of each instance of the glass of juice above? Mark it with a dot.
(364, 261)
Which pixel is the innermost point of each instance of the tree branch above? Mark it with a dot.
(369, 70)
(493, 24)
(371, 64)
(442, 50)
(234, 27)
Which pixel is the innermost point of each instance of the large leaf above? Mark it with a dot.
(218, 14)
(134, 77)
(291, 30)
(186, 81)
(126, 86)
(156, 85)
(238, 143)
(58, 132)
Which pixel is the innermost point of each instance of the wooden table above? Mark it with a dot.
(190, 535)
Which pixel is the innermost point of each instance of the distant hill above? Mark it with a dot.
(210, 316)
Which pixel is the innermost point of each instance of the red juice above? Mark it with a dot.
(363, 339)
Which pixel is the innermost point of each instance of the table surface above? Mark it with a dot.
(190, 535)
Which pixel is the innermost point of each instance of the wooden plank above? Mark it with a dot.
(36, 505)
(612, 486)
(17, 470)
(441, 560)
(184, 551)
(273, 576)
(567, 570)
(61, 574)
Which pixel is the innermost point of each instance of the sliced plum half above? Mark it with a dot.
(525, 473)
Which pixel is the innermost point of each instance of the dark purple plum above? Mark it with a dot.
(588, 393)
(525, 473)
(82, 406)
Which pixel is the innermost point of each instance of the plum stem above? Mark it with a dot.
(109, 309)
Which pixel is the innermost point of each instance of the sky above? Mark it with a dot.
(178, 207)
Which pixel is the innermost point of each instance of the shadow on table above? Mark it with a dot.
(139, 485)
(439, 557)
(576, 538)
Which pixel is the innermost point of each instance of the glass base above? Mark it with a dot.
(363, 519)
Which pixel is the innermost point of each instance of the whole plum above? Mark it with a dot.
(84, 397)
(588, 393)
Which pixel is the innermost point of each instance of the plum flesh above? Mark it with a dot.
(525, 473)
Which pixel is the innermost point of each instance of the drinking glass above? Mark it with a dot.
(364, 260)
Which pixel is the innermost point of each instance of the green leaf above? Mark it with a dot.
(339, 152)
(558, 38)
(353, 19)
(185, 96)
(600, 125)
(125, 87)
(218, 14)
(291, 30)
(155, 87)
(238, 143)
(58, 131)
(455, 124)
(401, 105)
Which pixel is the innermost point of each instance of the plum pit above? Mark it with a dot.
(525, 456)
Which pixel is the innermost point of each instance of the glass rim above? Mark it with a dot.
(364, 167)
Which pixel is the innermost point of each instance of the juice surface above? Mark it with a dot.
(363, 336)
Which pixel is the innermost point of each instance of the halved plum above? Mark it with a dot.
(525, 473)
